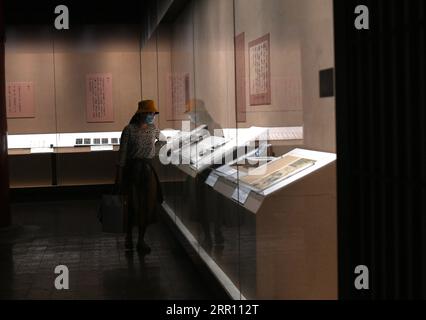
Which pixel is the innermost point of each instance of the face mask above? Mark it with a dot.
(150, 119)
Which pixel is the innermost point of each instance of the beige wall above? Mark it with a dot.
(164, 67)
(301, 34)
(58, 64)
(317, 54)
(301, 45)
(199, 43)
(214, 59)
(279, 18)
(156, 68)
(96, 50)
(29, 57)
(149, 70)
(182, 46)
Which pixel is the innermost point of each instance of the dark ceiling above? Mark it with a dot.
(81, 12)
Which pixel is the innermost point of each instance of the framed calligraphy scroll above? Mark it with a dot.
(260, 71)
(179, 84)
(240, 71)
(20, 100)
(99, 106)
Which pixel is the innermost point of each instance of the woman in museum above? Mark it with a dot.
(137, 178)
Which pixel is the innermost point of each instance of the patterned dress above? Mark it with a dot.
(138, 143)
(140, 181)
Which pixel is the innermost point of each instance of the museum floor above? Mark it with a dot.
(67, 232)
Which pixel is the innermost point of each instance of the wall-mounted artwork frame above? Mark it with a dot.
(99, 103)
(179, 86)
(259, 52)
(20, 100)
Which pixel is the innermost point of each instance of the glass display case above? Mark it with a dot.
(260, 208)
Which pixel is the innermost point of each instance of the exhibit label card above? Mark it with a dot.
(20, 100)
(212, 179)
(241, 194)
(41, 150)
(101, 148)
(99, 106)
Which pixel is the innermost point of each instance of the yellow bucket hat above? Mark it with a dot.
(147, 106)
(191, 105)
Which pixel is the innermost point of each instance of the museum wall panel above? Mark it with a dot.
(149, 65)
(203, 45)
(317, 54)
(164, 83)
(96, 50)
(214, 59)
(201, 66)
(182, 63)
(298, 52)
(301, 40)
(156, 66)
(58, 66)
(29, 58)
(280, 20)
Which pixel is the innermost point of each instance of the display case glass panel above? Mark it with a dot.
(281, 48)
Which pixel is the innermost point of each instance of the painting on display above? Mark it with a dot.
(260, 71)
(266, 176)
(99, 106)
(20, 100)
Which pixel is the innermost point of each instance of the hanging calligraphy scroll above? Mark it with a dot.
(99, 107)
(20, 100)
(260, 71)
(179, 86)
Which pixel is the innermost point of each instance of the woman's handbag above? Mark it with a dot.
(113, 213)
